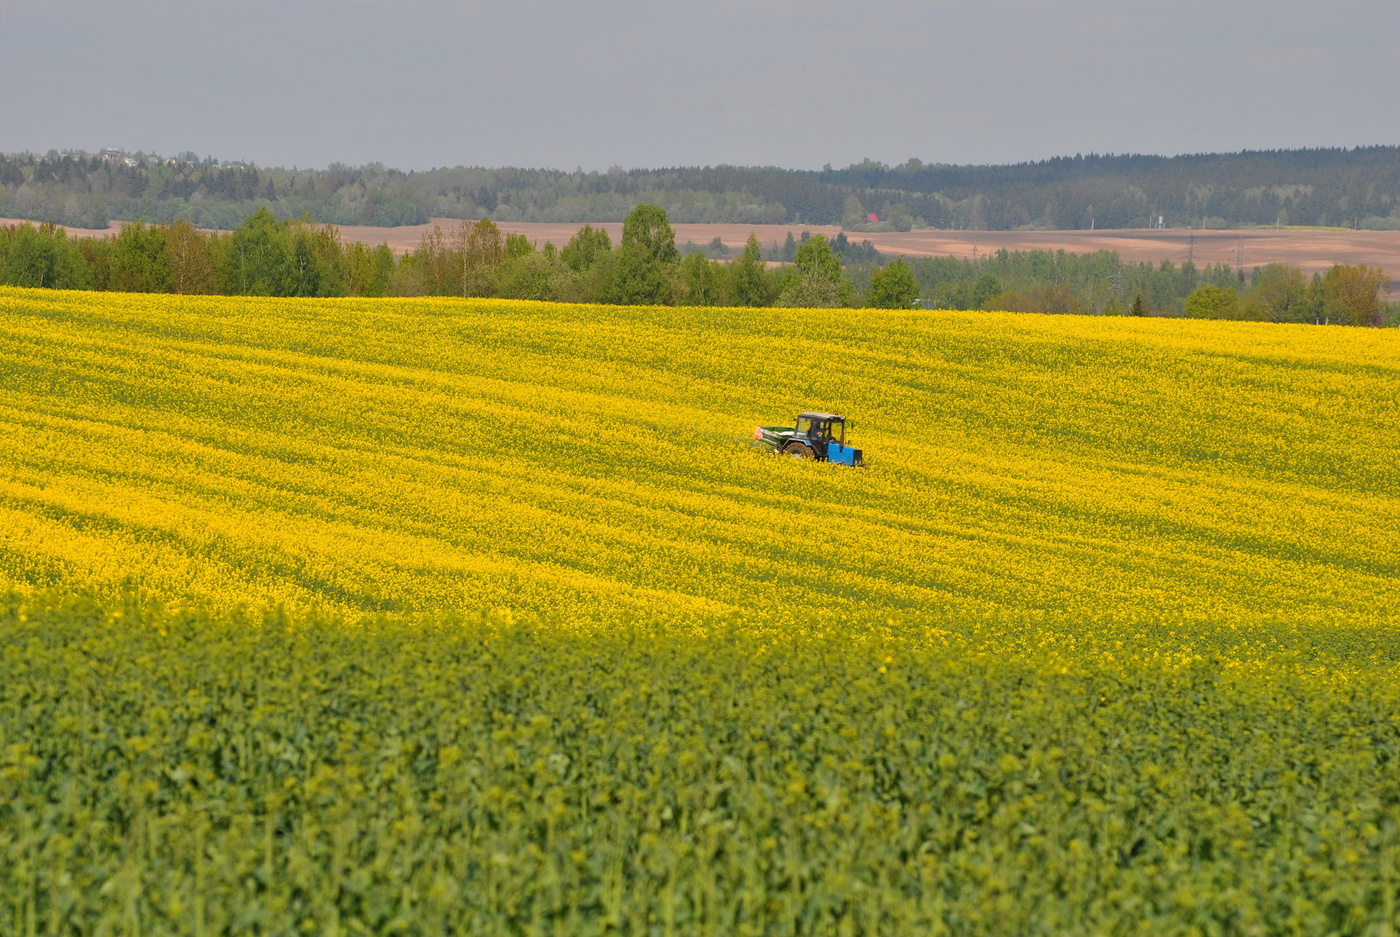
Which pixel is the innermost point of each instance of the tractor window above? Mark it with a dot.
(819, 429)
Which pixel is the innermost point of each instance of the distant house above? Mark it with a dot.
(872, 218)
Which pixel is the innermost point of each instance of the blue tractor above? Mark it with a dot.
(820, 437)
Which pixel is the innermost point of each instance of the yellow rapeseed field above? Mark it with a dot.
(475, 617)
(580, 462)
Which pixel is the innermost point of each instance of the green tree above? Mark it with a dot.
(816, 280)
(853, 215)
(900, 217)
(953, 294)
(648, 231)
(366, 273)
(531, 275)
(41, 257)
(816, 259)
(138, 261)
(1209, 301)
(1352, 293)
(645, 258)
(984, 289)
(191, 260)
(893, 287)
(482, 251)
(438, 264)
(408, 278)
(586, 248)
(259, 257)
(317, 264)
(747, 283)
(700, 281)
(96, 260)
(1278, 294)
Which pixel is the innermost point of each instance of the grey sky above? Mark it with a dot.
(421, 83)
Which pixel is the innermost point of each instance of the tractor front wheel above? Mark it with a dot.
(799, 451)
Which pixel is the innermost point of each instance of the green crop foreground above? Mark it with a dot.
(172, 772)
(439, 617)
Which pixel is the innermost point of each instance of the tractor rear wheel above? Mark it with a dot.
(799, 450)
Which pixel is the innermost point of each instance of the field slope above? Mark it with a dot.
(581, 461)
(475, 617)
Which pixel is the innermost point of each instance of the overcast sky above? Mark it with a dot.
(596, 83)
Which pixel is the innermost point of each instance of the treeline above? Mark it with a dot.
(1352, 188)
(1060, 283)
(86, 191)
(265, 256)
(1355, 188)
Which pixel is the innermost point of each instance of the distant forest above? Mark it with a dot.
(1353, 188)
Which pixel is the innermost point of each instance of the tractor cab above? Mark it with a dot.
(821, 426)
(817, 436)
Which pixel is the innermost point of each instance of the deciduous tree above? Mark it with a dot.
(893, 287)
(1352, 293)
(138, 261)
(1209, 301)
(586, 248)
(700, 281)
(816, 280)
(41, 256)
(984, 289)
(648, 250)
(1277, 295)
(317, 265)
(483, 249)
(190, 258)
(259, 257)
(747, 284)
(1057, 299)
(532, 275)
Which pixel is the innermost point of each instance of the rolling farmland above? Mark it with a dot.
(478, 616)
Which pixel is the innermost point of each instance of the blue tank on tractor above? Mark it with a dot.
(820, 437)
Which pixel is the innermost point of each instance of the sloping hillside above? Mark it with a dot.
(582, 462)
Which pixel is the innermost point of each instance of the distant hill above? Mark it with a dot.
(1358, 188)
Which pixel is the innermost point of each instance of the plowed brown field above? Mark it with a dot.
(1312, 250)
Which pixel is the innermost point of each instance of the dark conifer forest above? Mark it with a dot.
(1353, 188)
